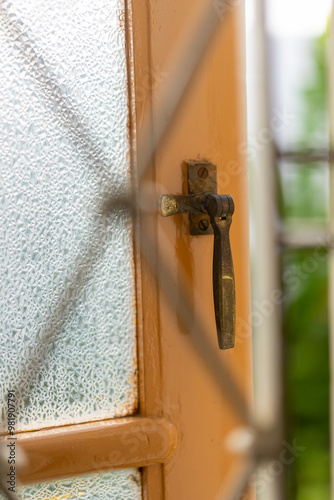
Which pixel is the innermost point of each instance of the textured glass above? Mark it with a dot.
(68, 342)
(115, 485)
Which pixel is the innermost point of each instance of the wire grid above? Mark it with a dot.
(263, 445)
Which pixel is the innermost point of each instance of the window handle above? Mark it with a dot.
(220, 209)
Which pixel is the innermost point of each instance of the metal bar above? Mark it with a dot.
(197, 337)
(85, 264)
(331, 254)
(184, 74)
(236, 490)
(170, 106)
(194, 325)
(65, 110)
(267, 341)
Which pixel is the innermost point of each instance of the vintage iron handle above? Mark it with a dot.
(220, 208)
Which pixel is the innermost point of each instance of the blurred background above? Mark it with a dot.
(295, 47)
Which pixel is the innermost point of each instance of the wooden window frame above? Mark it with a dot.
(179, 402)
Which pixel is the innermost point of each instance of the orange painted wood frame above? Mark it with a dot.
(110, 444)
(178, 397)
(211, 126)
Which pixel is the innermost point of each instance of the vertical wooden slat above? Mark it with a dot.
(267, 332)
(149, 351)
(210, 126)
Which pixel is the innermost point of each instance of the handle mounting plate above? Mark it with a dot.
(201, 177)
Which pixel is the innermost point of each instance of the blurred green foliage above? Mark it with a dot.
(307, 372)
(315, 98)
(304, 194)
(304, 201)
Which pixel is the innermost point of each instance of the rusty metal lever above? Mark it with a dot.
(220, 209)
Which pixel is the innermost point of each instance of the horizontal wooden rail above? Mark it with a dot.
(305, 156)
(97, 446)
(307, 237)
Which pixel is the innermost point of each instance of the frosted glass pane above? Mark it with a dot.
(115, 485)
(66, 269)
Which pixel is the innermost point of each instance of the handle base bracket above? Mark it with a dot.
(201, 177)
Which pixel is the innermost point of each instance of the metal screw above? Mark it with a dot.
(202, 172)
(203, 224)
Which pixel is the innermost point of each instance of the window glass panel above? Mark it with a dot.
(68, 308)
(118, 485)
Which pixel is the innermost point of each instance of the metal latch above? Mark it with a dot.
(207, 205)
